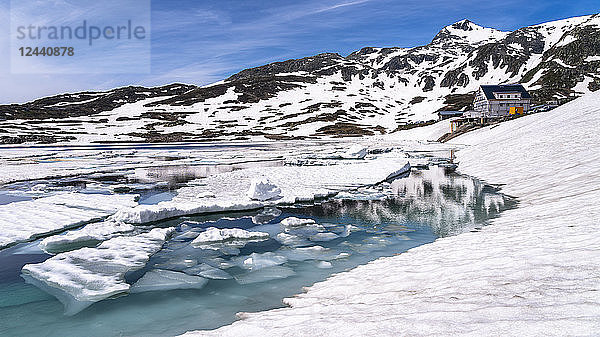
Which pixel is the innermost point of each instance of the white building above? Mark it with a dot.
(493, 101)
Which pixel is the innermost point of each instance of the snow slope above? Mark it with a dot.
(534, 271)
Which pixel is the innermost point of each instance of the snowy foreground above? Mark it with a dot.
(535, 271)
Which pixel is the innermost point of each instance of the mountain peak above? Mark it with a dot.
(463, 24)
(465, 31)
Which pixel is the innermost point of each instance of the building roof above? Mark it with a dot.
(450, 113)
(489, 90)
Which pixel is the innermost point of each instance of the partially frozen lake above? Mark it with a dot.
(187, 285)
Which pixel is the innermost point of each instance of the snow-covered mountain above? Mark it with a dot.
(370, 91)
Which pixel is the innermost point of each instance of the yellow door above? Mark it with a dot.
(515, 110)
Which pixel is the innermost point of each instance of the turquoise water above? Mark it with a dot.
(410, 216)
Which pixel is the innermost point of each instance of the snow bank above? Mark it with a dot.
(25, 220)
(534, 271)
(87, 275)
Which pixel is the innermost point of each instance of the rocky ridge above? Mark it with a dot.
(370, 91)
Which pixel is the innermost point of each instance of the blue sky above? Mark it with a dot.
(201, 42)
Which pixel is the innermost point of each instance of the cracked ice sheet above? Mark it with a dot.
(25, 220)
(227, 191)
(87, 275)
(534, 271)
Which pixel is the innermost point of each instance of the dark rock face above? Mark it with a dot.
(463, 25)
(455, 78)
(458, 102)
(428, 83)
(86, 103)
(566, 64)
(40, 139)
(250, 89)
(308, 64)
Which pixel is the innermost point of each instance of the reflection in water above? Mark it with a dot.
(449, 203)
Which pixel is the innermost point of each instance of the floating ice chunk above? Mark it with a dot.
(341, 256)
(228, 240)
(291, 240)
(87, 275)
(208, 271)
(219, 262)
(265, 274)
(355, 152)
(182, 206)
(178, 263)
(327, 236)
(188, 234)
(213, 234)
(301, 226)
(262, 189)
(296, 222)
(163, 280)
(324, 265)
(25, 220)
(93, 232)
(308, 253)
(258, 261)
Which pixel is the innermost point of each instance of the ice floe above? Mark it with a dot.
(309, 253)
(327, 236)
(94, 232)
(213, 234)
(293, 222)
(291, 240)
(324, 265)
(265, 274)
(26, 220)
(258, 261)
(81, 277)
(208, 271)
(163, 280)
